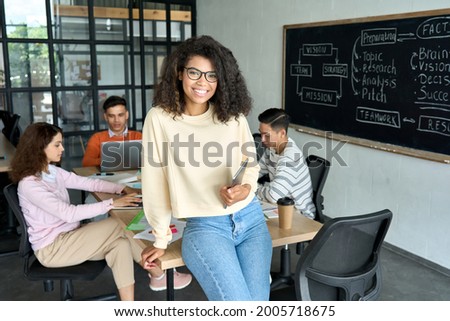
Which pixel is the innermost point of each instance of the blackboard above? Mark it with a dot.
(383, 81)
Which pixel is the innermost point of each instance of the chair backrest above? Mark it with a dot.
(11, 128)
(318, 170)
(10, 192)
(259, 145)
(342, 260)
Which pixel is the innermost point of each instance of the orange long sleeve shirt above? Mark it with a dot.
(92, 155)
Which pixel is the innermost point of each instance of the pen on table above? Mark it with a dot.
(104, 174)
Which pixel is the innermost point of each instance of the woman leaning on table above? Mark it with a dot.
(194, 139)
(55, 233)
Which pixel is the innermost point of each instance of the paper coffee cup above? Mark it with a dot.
(285, 212)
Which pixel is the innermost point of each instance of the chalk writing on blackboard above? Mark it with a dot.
(358, 78)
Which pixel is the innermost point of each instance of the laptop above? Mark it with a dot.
(120, 155)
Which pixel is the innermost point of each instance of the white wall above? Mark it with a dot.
(415, 190)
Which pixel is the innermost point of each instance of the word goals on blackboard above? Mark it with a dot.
(379, 81)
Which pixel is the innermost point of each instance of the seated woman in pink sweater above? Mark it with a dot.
(56, 235)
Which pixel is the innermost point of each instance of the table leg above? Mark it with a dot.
(285, 275)
(170, 285)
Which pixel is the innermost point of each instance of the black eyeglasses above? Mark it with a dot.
(195, 74)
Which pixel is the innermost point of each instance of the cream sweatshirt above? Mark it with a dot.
(186, 160)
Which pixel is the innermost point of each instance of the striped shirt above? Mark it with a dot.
(289, 176)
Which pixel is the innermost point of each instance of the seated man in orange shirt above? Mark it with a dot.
(116, 116)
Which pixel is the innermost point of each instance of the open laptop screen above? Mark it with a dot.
(121, 155)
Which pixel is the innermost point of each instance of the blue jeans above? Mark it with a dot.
(230, 255)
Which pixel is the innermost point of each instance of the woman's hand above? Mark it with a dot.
(149, 255)
(127, 200)
(232, 195)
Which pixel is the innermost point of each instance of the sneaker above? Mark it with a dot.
(180, 281)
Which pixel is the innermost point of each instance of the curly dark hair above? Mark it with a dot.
(231, 98)
(30, 158)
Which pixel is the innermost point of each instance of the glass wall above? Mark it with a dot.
(61, 67)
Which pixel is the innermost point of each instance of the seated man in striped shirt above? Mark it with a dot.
(284, 164)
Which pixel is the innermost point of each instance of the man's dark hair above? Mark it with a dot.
(275, 118)
(114, 101)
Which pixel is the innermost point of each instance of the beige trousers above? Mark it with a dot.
(104, 239)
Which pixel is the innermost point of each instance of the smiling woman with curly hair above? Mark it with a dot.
(231, 97)
(194, 139)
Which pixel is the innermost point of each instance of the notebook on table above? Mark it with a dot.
(120, 155)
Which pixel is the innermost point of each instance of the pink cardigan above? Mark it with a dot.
(47, 209)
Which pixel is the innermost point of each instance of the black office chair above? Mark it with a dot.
(259, 152)
(259, 145)
(34, 271)
(11, 127)
(9, 238)
(318, 170)
(342, 262)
